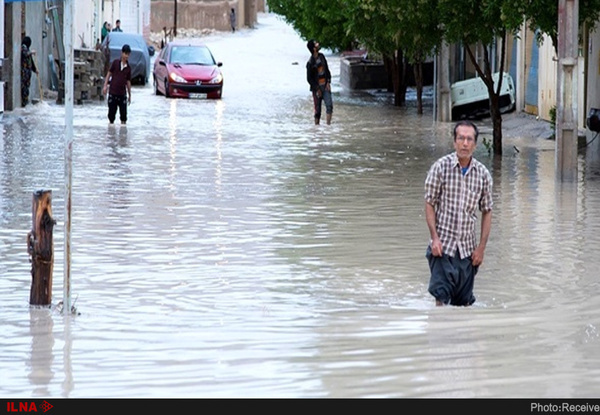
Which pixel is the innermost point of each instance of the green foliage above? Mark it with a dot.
(473, 21)
(325, 21)
(382, 26)
(488, 145)
(552, 113)
(543, 15)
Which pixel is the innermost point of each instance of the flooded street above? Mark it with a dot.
(231, 248)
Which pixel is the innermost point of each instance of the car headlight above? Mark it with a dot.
(217, 79)
(176, 78)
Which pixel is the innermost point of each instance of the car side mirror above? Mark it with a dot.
(219, 64)
(151, 50)
(162, 62)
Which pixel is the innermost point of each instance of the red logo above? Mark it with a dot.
(27, 407)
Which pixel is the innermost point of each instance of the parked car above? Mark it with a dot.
(470, 98)
(187, 70)
(139, 59)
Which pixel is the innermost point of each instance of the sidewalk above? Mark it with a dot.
(520, 124)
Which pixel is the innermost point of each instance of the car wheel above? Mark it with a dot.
(167, 90)
(156, 91)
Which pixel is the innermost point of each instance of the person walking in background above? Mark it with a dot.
(27, 68)
(117, 26)
(457, 185)
(232, 19)
(319, 78)
(104, 31)
(119, 94)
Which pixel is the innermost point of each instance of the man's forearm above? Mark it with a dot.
(486, 226)
(430, 219)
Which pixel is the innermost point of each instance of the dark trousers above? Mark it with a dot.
(317, 102)
(117, 102)
(25, 84)
(452, 278)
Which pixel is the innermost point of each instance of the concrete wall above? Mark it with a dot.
(593, 75)
(134, 15)
(37, 30)
(203, 14)
(355, 74)
(11, 69)
(24, 19)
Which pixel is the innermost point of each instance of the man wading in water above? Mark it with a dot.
(456, 187)
(319, 78)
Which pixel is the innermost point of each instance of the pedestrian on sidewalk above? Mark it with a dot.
(232, 19)
(119, 93)
(319, 79)
(104, 31)
(117, 26)
(27, 68)
(457, 185)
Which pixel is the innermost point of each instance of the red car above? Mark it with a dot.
(187, 70)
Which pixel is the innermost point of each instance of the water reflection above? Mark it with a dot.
(232, 248)
(41, 355)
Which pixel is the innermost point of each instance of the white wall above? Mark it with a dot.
(593, 72)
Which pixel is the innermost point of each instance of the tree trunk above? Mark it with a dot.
(497, 123)
(494, 94)
(41, 249)
(418, 70)
(400, 84)
(388, 63)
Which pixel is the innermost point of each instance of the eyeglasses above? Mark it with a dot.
(468, 139)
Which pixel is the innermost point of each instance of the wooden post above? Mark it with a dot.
(41, 248)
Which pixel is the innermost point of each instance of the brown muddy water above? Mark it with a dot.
(233, 249)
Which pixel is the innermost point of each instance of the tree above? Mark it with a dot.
(419, 34)
(484, 22)
(323, 20)
(374, 27)
(543, 15)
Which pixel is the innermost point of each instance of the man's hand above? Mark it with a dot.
(477, 256)
(436, 247)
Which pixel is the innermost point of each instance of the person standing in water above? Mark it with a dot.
(456, 187)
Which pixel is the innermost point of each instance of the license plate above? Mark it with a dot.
(197, 96)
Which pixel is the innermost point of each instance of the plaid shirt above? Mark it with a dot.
(456, 198)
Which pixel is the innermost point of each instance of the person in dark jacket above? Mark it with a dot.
(319, 79)
(117, 26)
(232, 19)
(119, 93)
(27, 68)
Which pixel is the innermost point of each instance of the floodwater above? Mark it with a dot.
(233, 249)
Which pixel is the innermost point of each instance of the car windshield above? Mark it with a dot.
(191, 55)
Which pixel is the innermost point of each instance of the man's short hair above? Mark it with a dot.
(126, 49)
